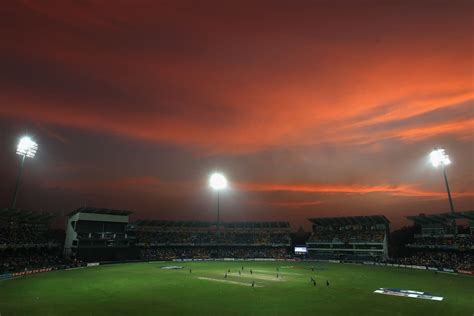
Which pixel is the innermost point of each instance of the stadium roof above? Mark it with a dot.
(96, 210)
(468, 215)
(441, 218)
(156, 222)
(256, 224)
(350, 220)
(163, 223)
(9, 214)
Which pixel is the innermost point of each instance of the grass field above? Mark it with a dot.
(146, 289)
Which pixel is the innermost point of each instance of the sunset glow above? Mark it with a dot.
(326, 108)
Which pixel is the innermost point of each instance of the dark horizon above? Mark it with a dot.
(310, 108)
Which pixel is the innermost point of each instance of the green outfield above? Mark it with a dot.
(147, 289)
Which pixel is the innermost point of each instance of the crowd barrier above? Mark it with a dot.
(7, 276)
(466, 272)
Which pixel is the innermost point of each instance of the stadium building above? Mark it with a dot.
(439, 243)
(26, 240)
(359, 238)
(99, 234)
(159, 239)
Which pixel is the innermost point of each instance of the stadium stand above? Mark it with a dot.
(358, 238)
(158, 239)
(442, 244)
(27, 242)
(439, 259)
(196, 252)
(441, 241)
(99, 234)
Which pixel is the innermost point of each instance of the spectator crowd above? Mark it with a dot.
(27, 245)
(23, 259)
(158, 242)
(460, 241)
(199, 237)
(347, 235)
(187, 252)
(439, 259)
(20, 234)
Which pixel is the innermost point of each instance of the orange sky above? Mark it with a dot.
(300, 103)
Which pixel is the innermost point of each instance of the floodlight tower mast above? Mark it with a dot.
(218, 182)
(439, 157)
(26, 148)
(449, 191)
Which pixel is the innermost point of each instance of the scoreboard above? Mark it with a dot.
(301, 250)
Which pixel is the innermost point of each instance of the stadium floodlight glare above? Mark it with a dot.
(26, 148)
(217, 181)
(438, 157)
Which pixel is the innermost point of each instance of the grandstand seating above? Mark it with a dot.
(206, 233)
(439, 244)
(349, 238)
(24, 229)
(444, 241)
(21, 259)
(26, 241)
(161, 239)
(348, 235)
(198, 252)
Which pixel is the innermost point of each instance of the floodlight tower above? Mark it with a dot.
(26, 148)
(218, 182)
(439, 157)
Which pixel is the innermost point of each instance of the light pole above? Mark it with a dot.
(218, 182)
(439, 157)
(26, 148)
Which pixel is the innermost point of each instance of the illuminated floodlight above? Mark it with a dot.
(438, 157)
(217, 181)
(27, 147)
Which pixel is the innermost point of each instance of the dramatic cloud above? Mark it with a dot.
(401, 190)
(309, 96)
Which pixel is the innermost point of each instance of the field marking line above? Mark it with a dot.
(228, 281)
